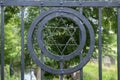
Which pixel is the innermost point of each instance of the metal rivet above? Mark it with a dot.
(41, 3)
(61, 3)
(62, 71)
(80, 3)
(61, 16)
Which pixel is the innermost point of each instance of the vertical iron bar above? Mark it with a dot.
(42, 54)
(118, 44)
(42, 71)
(100, 43)
(22, 44)
(30, 70)
(2, 42)
(81, 70)
(61, 67)
(81, 10)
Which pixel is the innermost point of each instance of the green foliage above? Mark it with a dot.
(10, 12)
(109, 24)
(12, 38)
(7, 74)
(61, 36)
(91, 72)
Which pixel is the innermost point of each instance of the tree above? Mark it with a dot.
(13, 36)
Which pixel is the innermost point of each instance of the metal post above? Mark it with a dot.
(2, 42)
(42, 54)
(118, 43)
(100, 43)
(81, 70)
(42, 71)
(22, 44)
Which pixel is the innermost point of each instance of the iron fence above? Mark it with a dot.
(60, 10)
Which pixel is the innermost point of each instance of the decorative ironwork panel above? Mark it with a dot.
(79, 20)
(60, 33)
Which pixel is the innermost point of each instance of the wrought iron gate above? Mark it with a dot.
(61, 11)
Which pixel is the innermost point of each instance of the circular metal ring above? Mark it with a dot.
(64, 57)
(61, 71)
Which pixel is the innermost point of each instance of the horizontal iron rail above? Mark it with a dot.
(61, 3)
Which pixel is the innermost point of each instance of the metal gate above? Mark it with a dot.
(61, 11)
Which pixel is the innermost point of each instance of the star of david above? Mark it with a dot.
(67, 29)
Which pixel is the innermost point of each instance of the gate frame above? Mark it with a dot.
(60, 3)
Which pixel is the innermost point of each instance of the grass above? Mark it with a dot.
(91, 72)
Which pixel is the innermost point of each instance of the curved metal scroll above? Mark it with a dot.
(79, 20)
